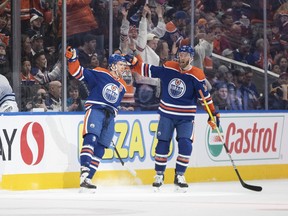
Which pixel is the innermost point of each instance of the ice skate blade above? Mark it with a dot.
(156, 189)
(180, 190)
(87, 190)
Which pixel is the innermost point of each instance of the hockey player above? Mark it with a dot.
(107, 89)
(7, 96)
(180, 85)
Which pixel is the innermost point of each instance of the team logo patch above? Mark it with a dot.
(176, 88)
(111, 93)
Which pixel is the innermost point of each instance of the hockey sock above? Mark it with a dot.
(185, 150)
(161, 156)
(87, 150)
(99, 151)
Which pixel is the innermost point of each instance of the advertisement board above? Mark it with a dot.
(48, 146)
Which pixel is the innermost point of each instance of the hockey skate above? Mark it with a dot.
(159, 179)
(84, 172)
(180, 183)
(87, 186)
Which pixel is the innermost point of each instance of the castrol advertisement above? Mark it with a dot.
(248, 138)
(51, 143)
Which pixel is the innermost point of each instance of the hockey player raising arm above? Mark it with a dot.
(107, 89)
(180, 85)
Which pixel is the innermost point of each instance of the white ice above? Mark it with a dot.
(213, 199)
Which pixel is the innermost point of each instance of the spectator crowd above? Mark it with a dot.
(231, 29)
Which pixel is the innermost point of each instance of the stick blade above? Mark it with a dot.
(252, 187)
(131, 171)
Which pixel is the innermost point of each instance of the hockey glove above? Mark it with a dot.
(132, 60)
(71, 54)
(215, 121)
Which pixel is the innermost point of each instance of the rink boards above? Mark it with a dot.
(41, 151)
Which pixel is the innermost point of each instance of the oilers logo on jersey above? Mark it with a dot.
(176, 88)
(111, 93)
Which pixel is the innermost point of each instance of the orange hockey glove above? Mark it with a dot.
(132, 60)
(215, 122)
(71, 54)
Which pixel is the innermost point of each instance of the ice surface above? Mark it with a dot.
(213, 199)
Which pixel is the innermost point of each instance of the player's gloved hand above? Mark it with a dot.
(216, 120)
(71, 54)
(132, 60)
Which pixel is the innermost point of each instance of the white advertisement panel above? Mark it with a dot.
(51, 143)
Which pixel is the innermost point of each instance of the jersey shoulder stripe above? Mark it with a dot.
(197, 72)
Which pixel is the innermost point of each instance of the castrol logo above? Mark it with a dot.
(246, 140)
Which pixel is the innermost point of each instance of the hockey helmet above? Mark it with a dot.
(114, 58)
(187, 49)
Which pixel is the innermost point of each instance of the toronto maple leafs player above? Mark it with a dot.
(7, 96)
(107, 89)
(180, 85)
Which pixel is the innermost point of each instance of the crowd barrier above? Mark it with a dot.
(41, 150)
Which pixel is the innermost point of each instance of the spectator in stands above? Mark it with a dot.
(149, 53)
(40, 72)
(220, 97)
(259, 54)
(227, 20)
(238, 76)
(128, 101)
(80, 21)
(234, 36)
(100, 11)
(220, 42)
(28, 9)
(233, 94)
(27, 78)
(276, 69)
(37, 44)
(241, 11)
(145, 42)
(35, 26)
(53, 101)
(37, 103)
(94, 61)
(202, 26)
(87, 50)
(162, 50)
(283, 64)
(29, 84)
(274, 41)
(104, 62)
(5, 33)
(74, 102)
(248, 91)
(26, 48)
(5, 69)
(176, 29)
(278, 93)
(147, 89)
(243, 54)
(203, 45)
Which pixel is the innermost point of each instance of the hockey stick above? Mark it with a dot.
(247, 186)
(131, 171)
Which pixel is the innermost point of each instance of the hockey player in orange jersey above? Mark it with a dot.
(180, 85)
